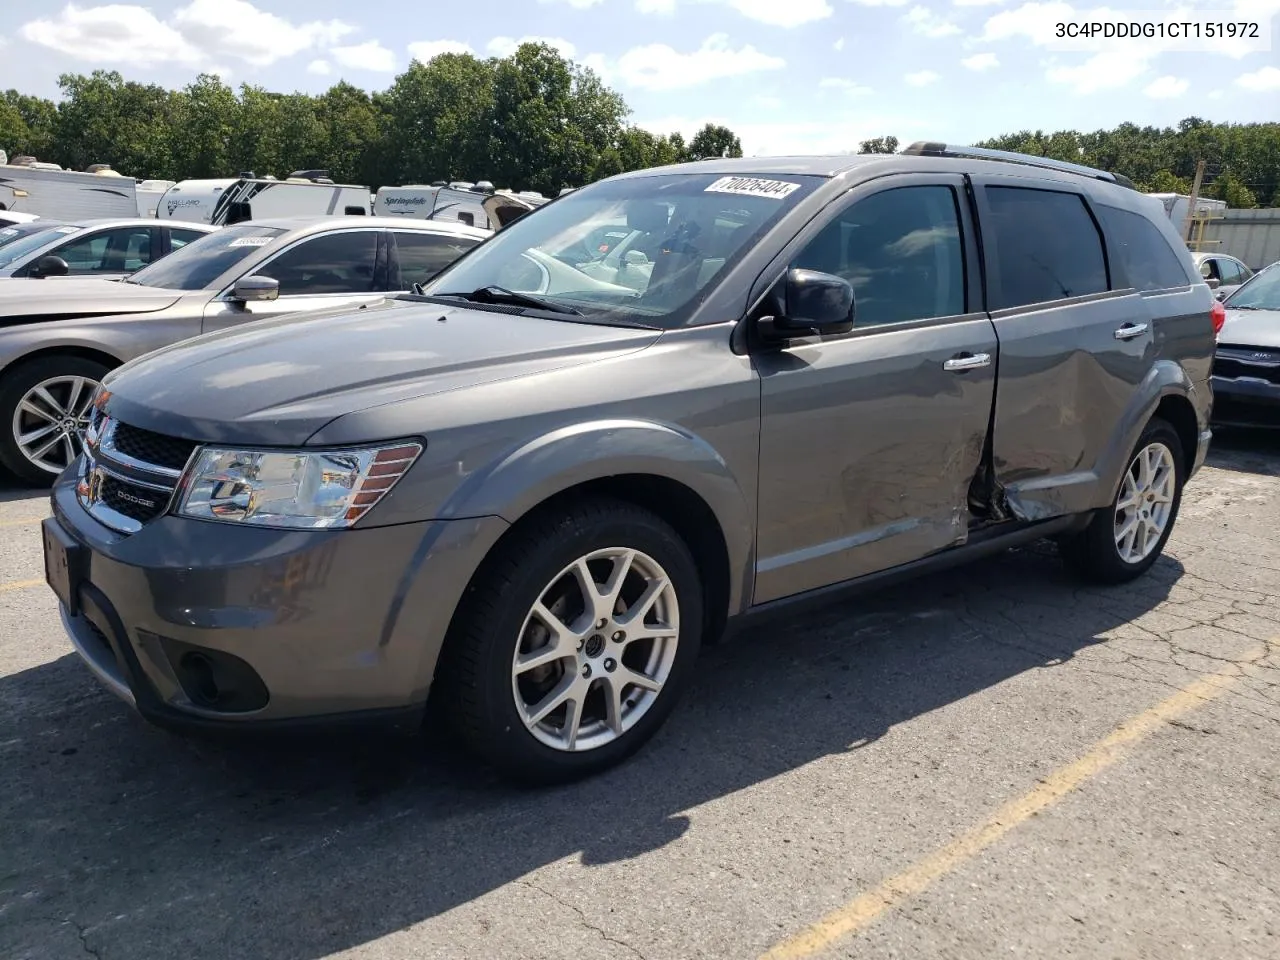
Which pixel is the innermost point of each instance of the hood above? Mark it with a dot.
(1251, 328)
(22, 298)
(503, 208)
(279, 380)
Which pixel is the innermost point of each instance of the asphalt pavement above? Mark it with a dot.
(992, 762)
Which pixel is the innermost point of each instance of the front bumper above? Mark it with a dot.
(1245, 402)
(200, 624)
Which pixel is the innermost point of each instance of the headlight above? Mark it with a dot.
(294, 488)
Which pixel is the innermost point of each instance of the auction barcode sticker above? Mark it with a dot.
(251, 241)
(753, 187)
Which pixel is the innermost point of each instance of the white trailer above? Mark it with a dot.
(433, 202)
(233, 200)
(67, 194)
(150, 192)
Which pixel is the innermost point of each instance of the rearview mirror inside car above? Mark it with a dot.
(50, 266)
(813, 304)
(251, 289)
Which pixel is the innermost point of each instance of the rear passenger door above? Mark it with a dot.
(417, 257)
(1074, 345)
(869, 441)
(344, 268)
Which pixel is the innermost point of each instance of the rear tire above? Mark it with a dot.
(45, 401)
(1124, 539)
(505, 661)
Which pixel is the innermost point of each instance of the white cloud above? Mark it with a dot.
(237, 29)
(921, 78)
(838, 45)
(370, 55)
(506, 46)
(881, 3)
(1166, 88)
(202, 33)
(115, 33)
(576, 4)
(424, 50)
(320, 68)
(1260, 81)
(1108, 70)
(927, 23)
(657, 66)
(980, 62)
(851, 87)
(977, 3)
(792, 13)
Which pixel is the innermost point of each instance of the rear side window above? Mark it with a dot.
(180, 238)
(336, 263)
(1149, 262)
(423, 255)
(1047, 246)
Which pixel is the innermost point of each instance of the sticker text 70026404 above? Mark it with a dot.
(753, 187)
(250, 241)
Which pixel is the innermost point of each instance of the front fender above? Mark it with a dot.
(519, 481)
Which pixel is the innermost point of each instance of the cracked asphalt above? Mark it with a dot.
(813, 761)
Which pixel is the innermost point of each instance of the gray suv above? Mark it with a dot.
(535, 488)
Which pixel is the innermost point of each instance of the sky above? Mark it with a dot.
(788, 76)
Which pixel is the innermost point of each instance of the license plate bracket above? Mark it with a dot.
(64, 561)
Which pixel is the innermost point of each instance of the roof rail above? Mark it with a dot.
(926, 148)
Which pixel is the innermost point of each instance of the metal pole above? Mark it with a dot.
(1191, 204)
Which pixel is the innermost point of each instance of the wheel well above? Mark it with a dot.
(1179, 414)
(686, 512)
(84, 353)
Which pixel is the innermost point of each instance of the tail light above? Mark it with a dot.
(1219, 315)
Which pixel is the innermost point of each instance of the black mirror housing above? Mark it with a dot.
(814, 304)
(255, 289)
(50, 266)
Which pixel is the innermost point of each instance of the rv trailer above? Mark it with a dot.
(236, 199)
(57, 194)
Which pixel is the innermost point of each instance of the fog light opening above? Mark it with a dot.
(204, 687)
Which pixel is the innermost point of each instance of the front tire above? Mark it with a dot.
(44, 409)
(573, 643)
(1123, 540)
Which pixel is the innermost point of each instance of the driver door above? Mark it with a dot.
(344, 268)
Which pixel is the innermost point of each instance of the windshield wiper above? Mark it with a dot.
(496, 294)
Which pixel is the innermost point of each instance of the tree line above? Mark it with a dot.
(529, 121)
(1242, 160)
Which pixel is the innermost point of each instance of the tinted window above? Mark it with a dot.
(17, 245)
(1149, 262)
(336, 263)
(180, 238)
(110, 251)
(199, 263)
(1230, 271)
(1209, 269)
(1047, 246)
(900, 250)
(423, 255)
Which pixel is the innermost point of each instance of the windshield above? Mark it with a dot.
(21, 239)
(200, 262)
(640, 250)
(1260, 293)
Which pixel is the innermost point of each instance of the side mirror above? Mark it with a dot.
(253, 289)
(1220, 295)
(814, 304)
(50, 266)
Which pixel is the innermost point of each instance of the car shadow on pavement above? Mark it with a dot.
(12, 490)
(144, 844)
(1245, 450)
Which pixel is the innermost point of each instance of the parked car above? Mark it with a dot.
(1246, 368)
(58, 339)
(9, 217)
(107, 249)
(535, 496)
(1224, 274)
(12, 232)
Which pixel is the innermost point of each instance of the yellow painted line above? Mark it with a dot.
(21, 523)
(862, 911)
(20, 584)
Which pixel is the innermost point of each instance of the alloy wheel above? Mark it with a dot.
(50, 420)
(1145, 502)
(596, 649)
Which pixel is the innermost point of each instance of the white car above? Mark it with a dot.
(107, 249)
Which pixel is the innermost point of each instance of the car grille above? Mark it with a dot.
(1260, 363)
(153, 448)
(128, 475)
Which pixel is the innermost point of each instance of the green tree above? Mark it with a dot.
(879, 145)
(1166, 182)
(39, 126)
(1230, 188)
(104, 119)
(714, 140)
(204, 128)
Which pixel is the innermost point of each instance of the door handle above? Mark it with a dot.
(1131, 330)
(969, 362)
